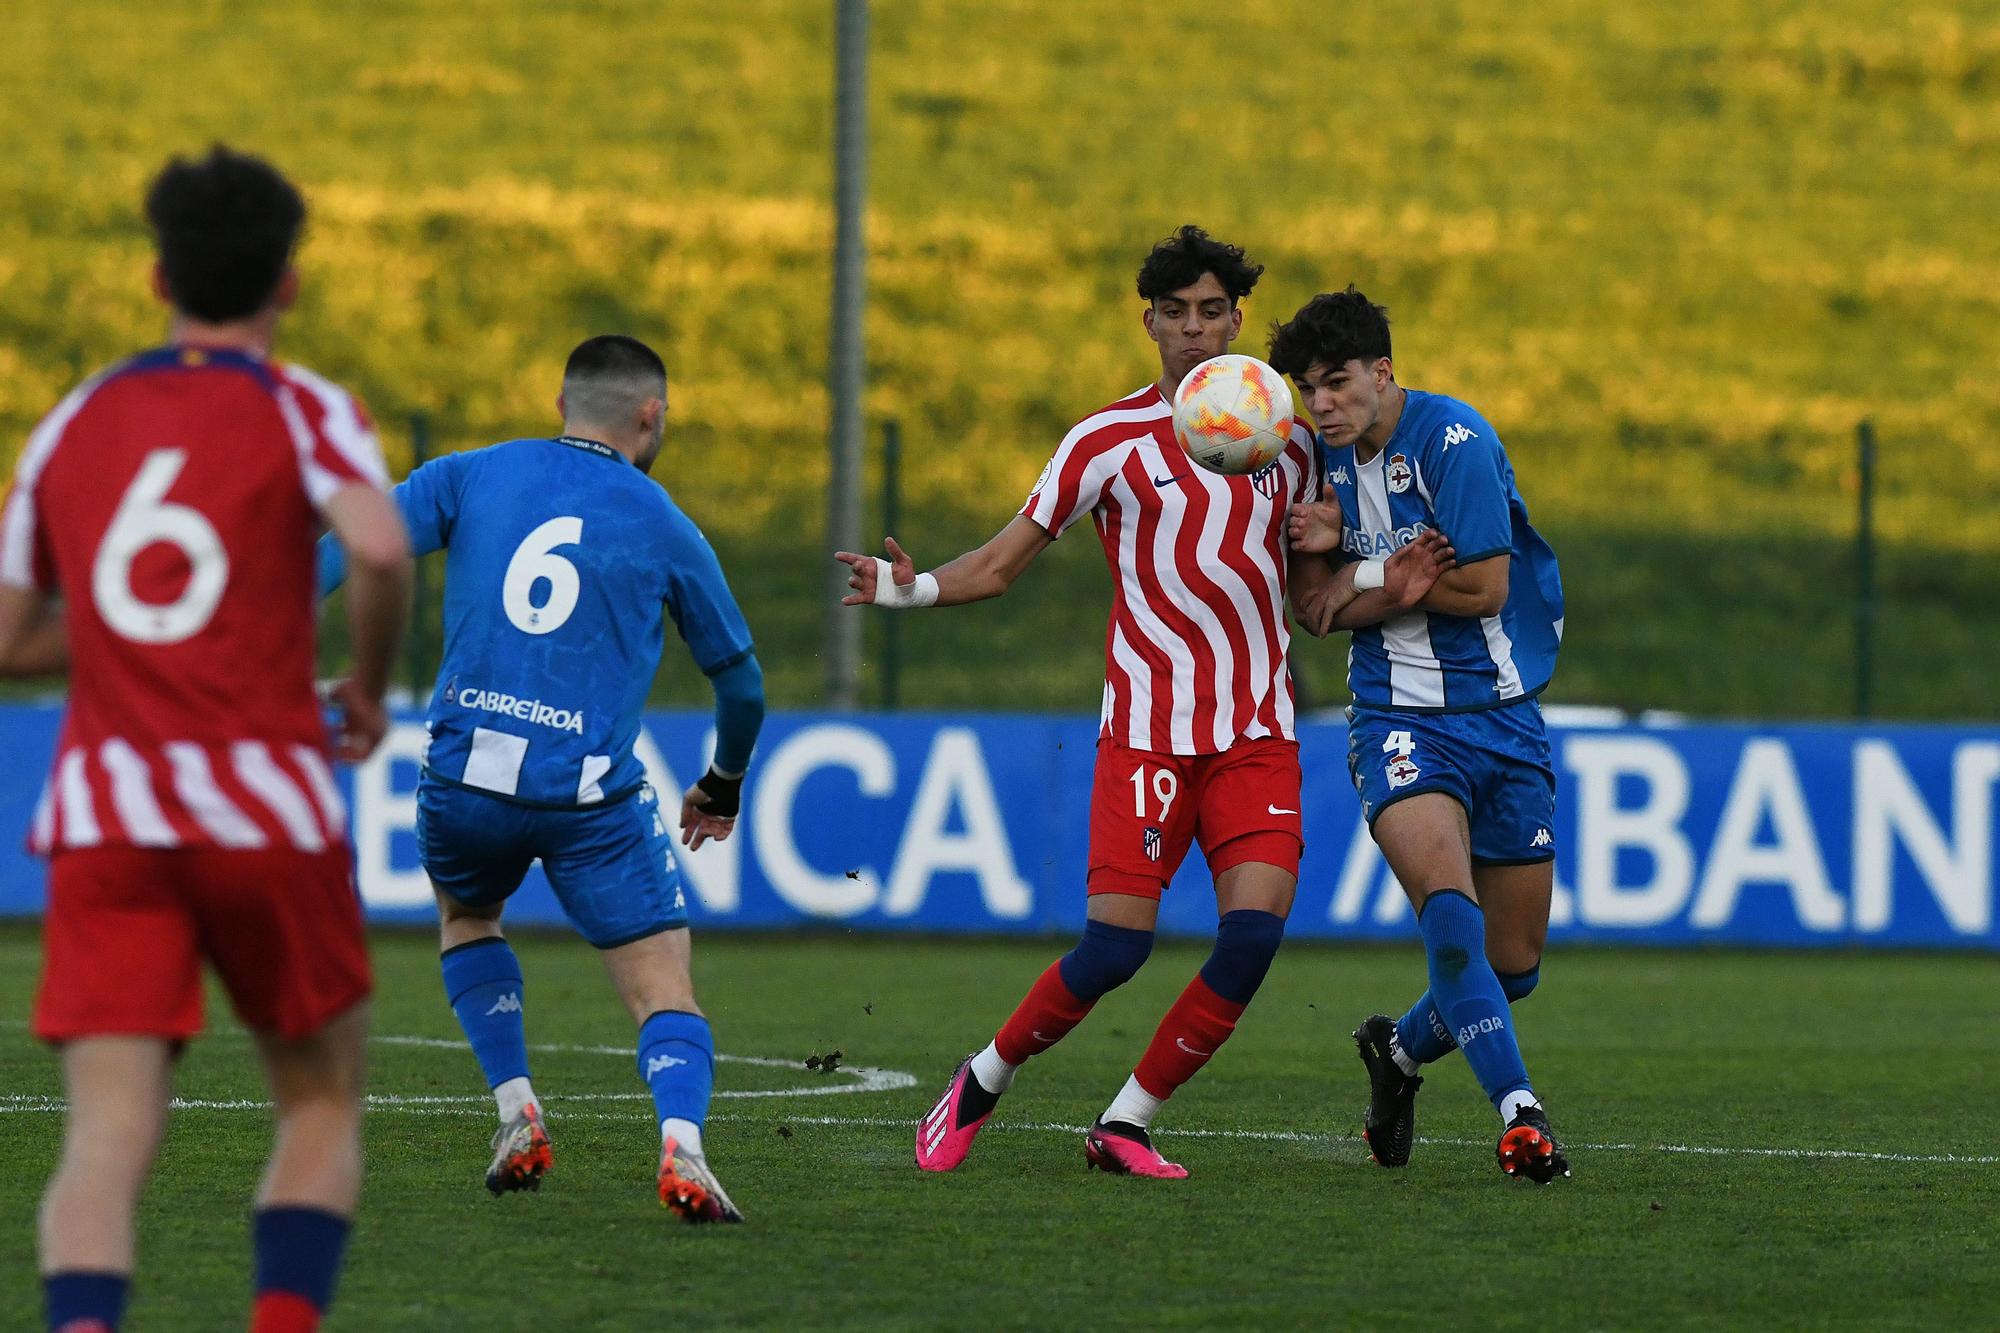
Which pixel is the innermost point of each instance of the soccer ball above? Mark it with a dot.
(1233, 414)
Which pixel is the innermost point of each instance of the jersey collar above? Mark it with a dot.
(598, 447)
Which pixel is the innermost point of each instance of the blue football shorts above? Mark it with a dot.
(612, 866)
(1494, 762)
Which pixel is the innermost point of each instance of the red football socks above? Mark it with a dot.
(283, 1312)
(1043, 1018)
(1193, 1030)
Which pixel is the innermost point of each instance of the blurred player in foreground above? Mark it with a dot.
(171, 503)
(564, 563)
(1445, 738)
(1196, 742)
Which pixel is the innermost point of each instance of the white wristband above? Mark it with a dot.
(1368, 576)
(923, 591)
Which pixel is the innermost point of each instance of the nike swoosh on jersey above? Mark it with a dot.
(1168, 481)
(1276, 811)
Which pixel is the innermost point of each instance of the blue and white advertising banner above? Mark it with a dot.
(1783, 835)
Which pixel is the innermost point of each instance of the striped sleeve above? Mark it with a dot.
(1075, 480)
(1304, 450)
(335, 440)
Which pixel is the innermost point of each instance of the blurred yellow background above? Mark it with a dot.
(1674, 253)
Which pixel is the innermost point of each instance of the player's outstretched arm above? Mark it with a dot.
(370, 531)
(32, 642)
(975, 576)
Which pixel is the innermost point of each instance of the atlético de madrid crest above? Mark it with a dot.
(1152, 844)
(1398, 474)
(1268, 480)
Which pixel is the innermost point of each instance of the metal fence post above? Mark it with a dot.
(1864, 577)
(892, 503)
(846, 362)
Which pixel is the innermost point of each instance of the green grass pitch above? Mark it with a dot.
(1759, 1141)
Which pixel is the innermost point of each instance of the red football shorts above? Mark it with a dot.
(126, 931)
(1146, 809)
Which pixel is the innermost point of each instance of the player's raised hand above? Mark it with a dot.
(363, 720)
(1314, 528)
(865, 573)
(1410, 573)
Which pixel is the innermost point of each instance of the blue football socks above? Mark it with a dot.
(1467, 993)
(298, 1251)
(79, 1297)
(677, 1060)
(1422, 1033)
(483, 982)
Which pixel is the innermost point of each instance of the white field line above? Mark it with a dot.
(869, 1079)
(560, 1109)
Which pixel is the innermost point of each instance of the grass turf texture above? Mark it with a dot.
(1673, 253)
(1732, 1051)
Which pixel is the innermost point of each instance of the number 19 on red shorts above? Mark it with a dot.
(1147, 809)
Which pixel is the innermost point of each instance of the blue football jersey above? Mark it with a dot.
(1444, 468)
(563, 562)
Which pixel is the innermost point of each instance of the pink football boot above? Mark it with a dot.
(1127, 1150)
(942, 1142)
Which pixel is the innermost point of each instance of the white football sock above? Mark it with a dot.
(1133, 1105)
(1511, 1104)
(994, 1074)
(511, 1096)
(684, 1132)
(1402, 1057)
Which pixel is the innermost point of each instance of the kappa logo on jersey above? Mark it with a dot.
(660, 1064)
(1339, 476)
(1542, 838)
(510, 1003)
(526, 710)
(1458, 434)
(1152, 844)
(1268, 479)
(1402, 771)
(1398, 473)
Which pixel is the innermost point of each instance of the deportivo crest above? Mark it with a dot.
(1152, 844)
(1268, 479)
(1398, 473)
(1402, 771)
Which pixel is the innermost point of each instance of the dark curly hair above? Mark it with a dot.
(226, 225)
(1181, 259)
(1334, 327)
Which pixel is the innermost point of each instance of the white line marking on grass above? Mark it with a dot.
(866, 1078)
(870, 1079)
(560, 1109)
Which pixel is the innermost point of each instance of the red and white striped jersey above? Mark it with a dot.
(172, 502)
(1195, 655)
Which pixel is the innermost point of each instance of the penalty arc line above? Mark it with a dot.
(887, 1080)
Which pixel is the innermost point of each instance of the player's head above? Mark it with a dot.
(615, 390)
(1336, 348)
(225, 225)
(1192, 285)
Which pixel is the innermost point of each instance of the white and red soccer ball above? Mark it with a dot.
(1233, 414)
